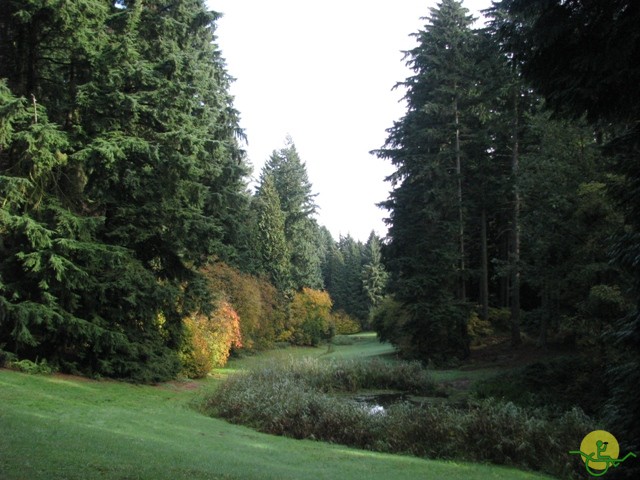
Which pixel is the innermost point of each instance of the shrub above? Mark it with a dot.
(388, 320)
(294, 399)
(477, 327)
(310, 312)
(345, 324)
(5, 357)
(209, 340)
(560, 383)
(255, 300)
(28, 366)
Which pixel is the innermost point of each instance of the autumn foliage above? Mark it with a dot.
(256, 301)
(345, 324)
(209, 340)
(310, 317)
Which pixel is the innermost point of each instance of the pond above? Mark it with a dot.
(377, 403)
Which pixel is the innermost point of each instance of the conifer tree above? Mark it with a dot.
(425, 255)
(290, 179)
(374, 275)
(125, 107)
(269, 240)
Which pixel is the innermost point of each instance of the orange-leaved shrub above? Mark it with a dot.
(310, 317)
(256, 301)
(209, 340)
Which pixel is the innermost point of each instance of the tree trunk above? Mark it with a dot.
(546, 308)
(484, 278)
(463, 290)
(515, 231)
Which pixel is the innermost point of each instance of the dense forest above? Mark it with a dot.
(132, 247)
(129, 237)
(514, 202)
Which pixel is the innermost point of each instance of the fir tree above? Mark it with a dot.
(290, 179)
(425, 254)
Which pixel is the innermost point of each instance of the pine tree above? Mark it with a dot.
(138, 170)
(582, 56)
(291, 181)
(269, 240)
(374, 275)
(425, 252)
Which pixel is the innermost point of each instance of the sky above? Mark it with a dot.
(323, 73)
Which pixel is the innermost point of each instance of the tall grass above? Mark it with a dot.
(298, 399)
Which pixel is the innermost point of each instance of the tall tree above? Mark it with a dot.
(294, 189)
(583, 57)
(425, 252)
(269, 239)
(146, 171)
(374, 275)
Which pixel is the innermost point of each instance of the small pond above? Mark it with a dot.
(377, 403)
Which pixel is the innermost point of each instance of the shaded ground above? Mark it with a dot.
(495, 356)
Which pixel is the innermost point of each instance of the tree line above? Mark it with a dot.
(129, 238)
(515, 187)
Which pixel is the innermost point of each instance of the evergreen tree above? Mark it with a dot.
(582, 56)
(374, 276)
(291, 181)
(425, 252)
(137, 172)
(269, 240)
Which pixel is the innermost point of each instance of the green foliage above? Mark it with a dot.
(374, 276)
(290, 220)
(291, 399)
(33, 368)
(559, 384)
(607, 94)
(478, 328)
(354, 275)
(388, 320)
(119, 175)
(271, 251)
(425, 203)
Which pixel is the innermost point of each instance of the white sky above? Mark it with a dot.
(323, 73)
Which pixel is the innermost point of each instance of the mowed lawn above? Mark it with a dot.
(61, 427)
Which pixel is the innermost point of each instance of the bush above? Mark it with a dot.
(294, 399)
(256, 301)
(478, 328)
(310, 312)
(34, 368)
(6, 357)
(388, 320)
(209, 340)
(345, 324)
(560, 383)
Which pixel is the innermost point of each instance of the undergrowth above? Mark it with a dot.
(297, 399)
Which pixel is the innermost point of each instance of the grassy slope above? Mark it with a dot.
(56, 427)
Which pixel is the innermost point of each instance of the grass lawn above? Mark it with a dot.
(60, 427)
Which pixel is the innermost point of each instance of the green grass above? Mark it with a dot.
(364, 345)
(56, 427)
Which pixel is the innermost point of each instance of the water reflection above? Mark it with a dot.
(377, 403)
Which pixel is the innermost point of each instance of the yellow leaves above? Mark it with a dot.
(310, 316)
(210, 340)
